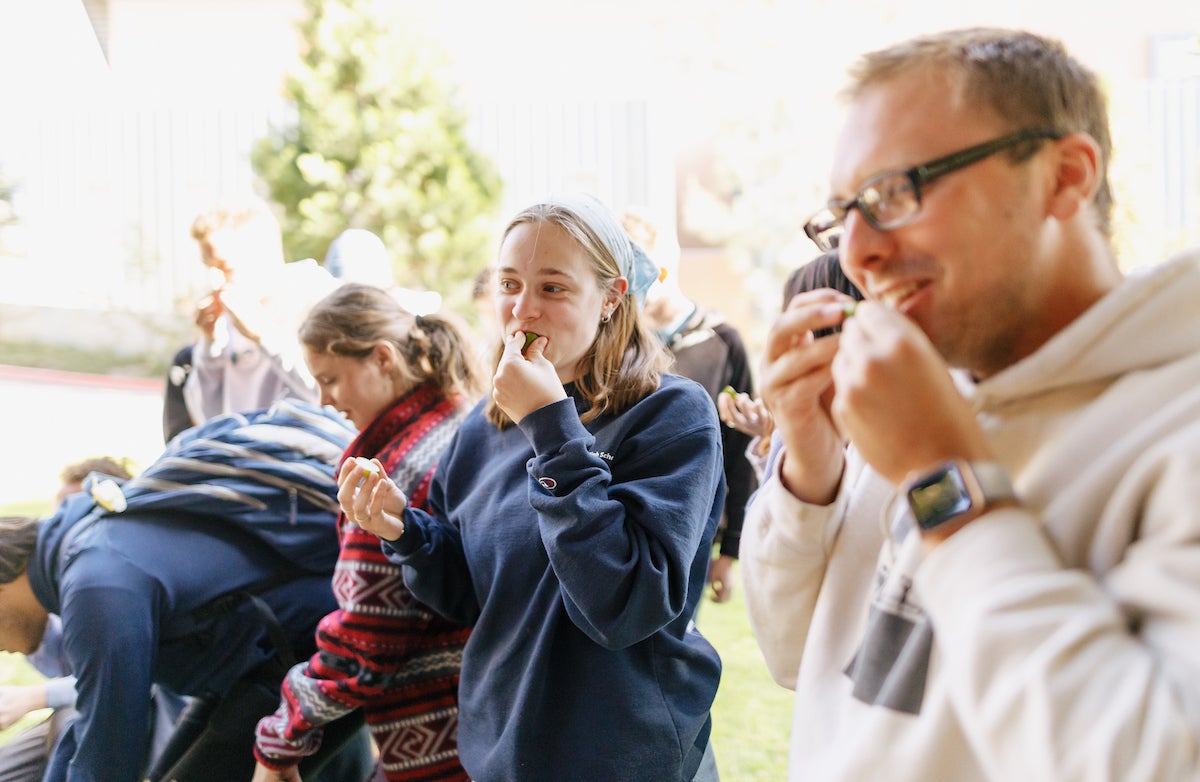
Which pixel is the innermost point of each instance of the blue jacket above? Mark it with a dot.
(134, 576)
(579, 554)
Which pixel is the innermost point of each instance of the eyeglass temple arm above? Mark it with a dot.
(952, 162)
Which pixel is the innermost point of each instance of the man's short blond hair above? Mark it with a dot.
(1026, 79)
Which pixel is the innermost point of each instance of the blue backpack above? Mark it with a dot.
(270, 472)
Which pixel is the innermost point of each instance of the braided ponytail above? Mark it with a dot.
(356, 317)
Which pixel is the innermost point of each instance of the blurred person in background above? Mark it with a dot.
(247, 355)
(707, 349)
(71, 477)
(357, 255)
(483, 294)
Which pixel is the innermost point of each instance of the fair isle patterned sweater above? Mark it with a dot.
(382, 651)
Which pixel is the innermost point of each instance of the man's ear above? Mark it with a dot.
(1077, 175)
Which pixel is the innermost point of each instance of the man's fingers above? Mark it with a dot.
(806, 313)
(810, 361)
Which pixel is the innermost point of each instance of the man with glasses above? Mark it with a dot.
(978, 556)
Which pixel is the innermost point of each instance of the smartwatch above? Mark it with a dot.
(956, 488)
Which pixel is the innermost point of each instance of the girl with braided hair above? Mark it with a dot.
(405, 382)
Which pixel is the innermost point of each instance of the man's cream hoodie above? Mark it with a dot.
(1055, 641)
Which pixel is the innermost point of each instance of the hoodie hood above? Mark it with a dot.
(1151, 319)
(44, 572)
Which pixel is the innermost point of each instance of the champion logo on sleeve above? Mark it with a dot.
(549, 484)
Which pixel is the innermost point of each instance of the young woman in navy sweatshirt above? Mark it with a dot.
(570, 523)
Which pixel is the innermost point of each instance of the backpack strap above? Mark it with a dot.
(197, 623)
(195, 718)
(67, 543)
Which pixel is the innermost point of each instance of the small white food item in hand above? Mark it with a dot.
(108, 495)
(366, 465)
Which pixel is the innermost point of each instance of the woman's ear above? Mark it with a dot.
(385, 356)
(616, 292)
(1076, 175)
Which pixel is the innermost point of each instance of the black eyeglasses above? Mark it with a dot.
(893, 198)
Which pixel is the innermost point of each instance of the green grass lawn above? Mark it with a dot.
(100, 362)
(752, 714)
(31, 508)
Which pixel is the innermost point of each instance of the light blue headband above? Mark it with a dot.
(636, 267)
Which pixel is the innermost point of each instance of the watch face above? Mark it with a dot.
(940, 497)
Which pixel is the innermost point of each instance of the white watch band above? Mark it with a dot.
(993, 481)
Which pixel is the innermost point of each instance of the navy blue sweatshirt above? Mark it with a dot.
(578, 553)
(132, 579)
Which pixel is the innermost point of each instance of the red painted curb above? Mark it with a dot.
(61, 377)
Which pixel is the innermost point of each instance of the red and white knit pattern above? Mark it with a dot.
(382, 651)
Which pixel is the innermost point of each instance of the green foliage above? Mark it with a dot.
(376, 141)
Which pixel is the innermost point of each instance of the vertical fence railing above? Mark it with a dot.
(105, 197)
(1173, 111)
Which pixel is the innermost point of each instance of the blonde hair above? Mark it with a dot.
(626, 361)
(353, 319)
(75, 472)
(1030, 81)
